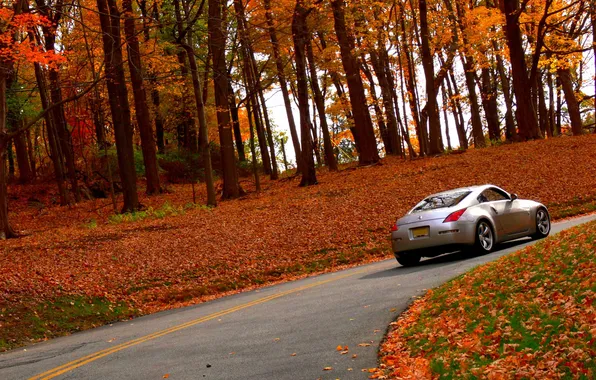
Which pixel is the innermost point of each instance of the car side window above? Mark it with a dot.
(491, 195)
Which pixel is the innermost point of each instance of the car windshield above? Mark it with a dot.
(440, 201)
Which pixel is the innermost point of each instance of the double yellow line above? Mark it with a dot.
(67, 367)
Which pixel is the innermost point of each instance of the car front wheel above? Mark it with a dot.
(542, 224)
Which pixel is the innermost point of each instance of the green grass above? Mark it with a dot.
(529, 314)
(576, 206)
(150, 213)
(30, 321)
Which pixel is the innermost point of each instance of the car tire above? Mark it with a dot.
(542, 224)
(485, 237)
(409, 259)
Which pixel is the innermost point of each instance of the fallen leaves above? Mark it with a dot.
(527, 315)
(282, 233)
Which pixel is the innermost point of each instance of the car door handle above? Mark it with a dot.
(494, 210)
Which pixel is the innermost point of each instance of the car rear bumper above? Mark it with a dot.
(441, 237)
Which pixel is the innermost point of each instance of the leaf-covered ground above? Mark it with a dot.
(74, 260)
(529, 315)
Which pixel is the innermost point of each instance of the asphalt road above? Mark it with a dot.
(286, 331)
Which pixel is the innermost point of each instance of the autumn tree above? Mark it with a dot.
(363, 129)
(109, 16)
(140, 98)
(217, 46)
(283, 84)
(432, 108)
(300, 36)
(525, 112)
(184, 40)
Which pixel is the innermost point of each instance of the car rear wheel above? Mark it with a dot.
(542, 224)
(408, 260)
(485, 238)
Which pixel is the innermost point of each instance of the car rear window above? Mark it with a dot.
(440, 201)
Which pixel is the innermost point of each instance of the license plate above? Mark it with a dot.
(420, 232)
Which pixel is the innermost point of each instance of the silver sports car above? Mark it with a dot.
(476, 217)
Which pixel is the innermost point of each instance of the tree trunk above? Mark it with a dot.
(543, 120)
(203, 126)
(300, 36)
(551, 104)
(118, 95)
(283, 152)
(315, 138)
(593, 19)
(411, 90)
(470, 74)
(251, 64)
(405, 126)
(236, 122)
(458, 114)
(251, 90)
(159, 131)
(31, 148)
(319, 100)
(337, 83)
(387, 93)
(283, 83)
(95, 102)
(434, 121)
(20, 146)
(140, 99)
(260, 129)
(510, 130)
(63, 134)
(10, 156)
(269, 135)
(217, 45)
(199, 97)
(6, 230)
(363, 128)
(445, 106)
(526, 115)
(55, 151)
(375, 103)
(489, 103)
(253, 152)
(155, 98)
(572, 103)
(559, 105)
(64, 139)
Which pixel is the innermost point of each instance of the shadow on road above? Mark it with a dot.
(433, 262)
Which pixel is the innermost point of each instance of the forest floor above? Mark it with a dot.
(81, 266)
(527, 315)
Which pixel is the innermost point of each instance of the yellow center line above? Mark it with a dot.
(52, 373)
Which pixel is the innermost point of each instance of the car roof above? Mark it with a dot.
(478, 188)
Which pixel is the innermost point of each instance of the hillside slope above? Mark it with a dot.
(75, 259)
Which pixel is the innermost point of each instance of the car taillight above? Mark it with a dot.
(394, 227)
(454, 216)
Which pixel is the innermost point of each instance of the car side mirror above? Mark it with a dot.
(513, 196)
